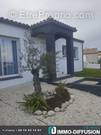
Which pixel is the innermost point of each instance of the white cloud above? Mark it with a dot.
(88, 30)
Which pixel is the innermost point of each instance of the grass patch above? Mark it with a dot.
(89, 73)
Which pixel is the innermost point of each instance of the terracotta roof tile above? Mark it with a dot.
(90, 51)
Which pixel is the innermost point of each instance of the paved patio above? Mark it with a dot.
(86, 109)
(69, 80)
(27, 77)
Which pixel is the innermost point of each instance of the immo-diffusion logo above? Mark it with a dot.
(52, 130)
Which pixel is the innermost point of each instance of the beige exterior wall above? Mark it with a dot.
(92, 58)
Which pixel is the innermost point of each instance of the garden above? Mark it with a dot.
(39, 102)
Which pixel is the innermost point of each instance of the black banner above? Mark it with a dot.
(50, 130)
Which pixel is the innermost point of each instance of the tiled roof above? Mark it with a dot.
(90, 51)
(52, 20)
(11, 22)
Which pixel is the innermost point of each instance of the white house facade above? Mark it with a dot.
(49, 36)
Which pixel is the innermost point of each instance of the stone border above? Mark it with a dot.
(51, 113)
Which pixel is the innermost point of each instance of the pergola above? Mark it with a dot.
(53, 30)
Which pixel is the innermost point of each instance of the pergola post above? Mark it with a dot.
(70, 55)
(50, 49)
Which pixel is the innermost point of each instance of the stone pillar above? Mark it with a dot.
(70, 55)
(50, 48)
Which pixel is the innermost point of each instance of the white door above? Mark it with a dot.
(61, 58)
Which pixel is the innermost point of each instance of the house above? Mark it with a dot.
(99, 55)
(49, 35)
(91, 55)
(91, 58)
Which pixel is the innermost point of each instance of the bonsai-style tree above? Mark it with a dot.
(36, 60)
(32, 57)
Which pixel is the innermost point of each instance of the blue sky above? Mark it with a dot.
(89, 29)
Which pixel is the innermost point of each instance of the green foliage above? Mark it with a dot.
(34, 102)
(46, 64)
(62, 92)
(89, 73)
(61, 86)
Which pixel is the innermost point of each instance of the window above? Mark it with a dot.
(64, 50)
(8, 57)
(75, 52)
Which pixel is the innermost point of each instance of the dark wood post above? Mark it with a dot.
(50, 48)
(70, 55)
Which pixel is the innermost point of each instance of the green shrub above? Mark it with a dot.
(34, 102)
(62, 92)
(61, 86)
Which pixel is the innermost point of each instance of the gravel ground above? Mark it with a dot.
(85, 110)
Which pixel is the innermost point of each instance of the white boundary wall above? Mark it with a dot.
(94, 66)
